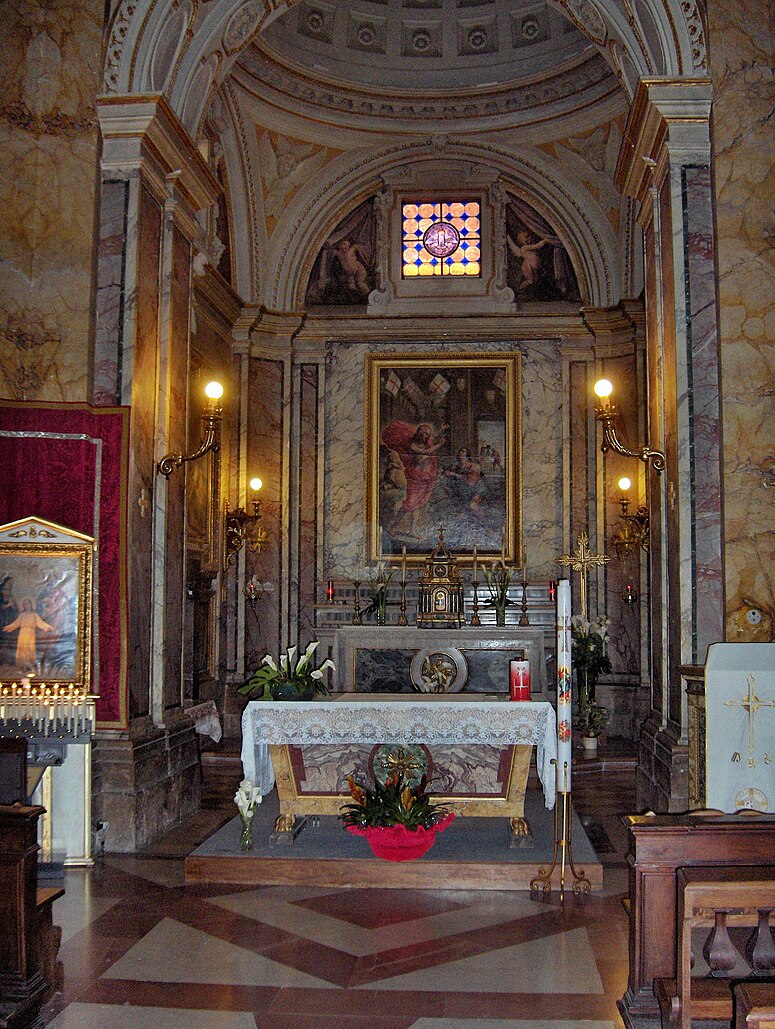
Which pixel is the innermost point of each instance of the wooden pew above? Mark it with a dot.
(27, 938)
(755, 1005)
(658, 846)
(711, 903)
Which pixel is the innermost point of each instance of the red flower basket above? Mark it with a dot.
(396, 842)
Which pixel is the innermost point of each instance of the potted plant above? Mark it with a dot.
(399, 820)
(378, 593)
(590, 723)
(291, 678)
(498, 579)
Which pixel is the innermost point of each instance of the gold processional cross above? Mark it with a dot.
(750, 703)
(581, 562)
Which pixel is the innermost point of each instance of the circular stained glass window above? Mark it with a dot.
(441, 239)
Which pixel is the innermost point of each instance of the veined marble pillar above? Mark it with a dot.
(665, 164)
(153, 183)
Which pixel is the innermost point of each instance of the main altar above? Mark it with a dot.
(475, 751)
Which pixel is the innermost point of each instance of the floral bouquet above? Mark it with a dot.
(590, 660)
(291, 679)
(378, 587)
(498, 580)
(247, 797)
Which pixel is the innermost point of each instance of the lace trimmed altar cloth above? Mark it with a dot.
(397, 718)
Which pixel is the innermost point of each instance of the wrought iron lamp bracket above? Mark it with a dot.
(211, 441)
(606, 413)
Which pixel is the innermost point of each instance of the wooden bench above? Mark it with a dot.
(724, 934)
(658, 846)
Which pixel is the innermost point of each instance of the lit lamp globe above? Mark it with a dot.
(603, 388)
(214, 391)
(624, 484)
(256, 484)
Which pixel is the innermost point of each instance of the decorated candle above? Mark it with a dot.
(564, 719)
(403, 563)
(519, 680)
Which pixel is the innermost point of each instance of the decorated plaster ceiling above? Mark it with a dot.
(421, 60)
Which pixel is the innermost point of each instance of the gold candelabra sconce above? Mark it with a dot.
(243, 527)
(630, 539)
(607, 413)
(211, 439)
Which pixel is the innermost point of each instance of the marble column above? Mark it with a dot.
(665, 164)
(154, 181)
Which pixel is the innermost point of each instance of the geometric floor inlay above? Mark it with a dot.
(176, 953)
(108, 1016)
(561, 963)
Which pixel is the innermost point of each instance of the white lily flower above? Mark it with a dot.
(269, 661)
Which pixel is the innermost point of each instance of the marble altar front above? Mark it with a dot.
(477, 749)
(380, 659)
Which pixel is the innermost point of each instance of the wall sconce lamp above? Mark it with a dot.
(606, 413)
(211, 421)
(635, 530)
(238, 524)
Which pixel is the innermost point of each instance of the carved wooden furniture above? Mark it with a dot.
(315, 745)
(25, 943)
(658, 846)
(712, 904)
(755, 1005)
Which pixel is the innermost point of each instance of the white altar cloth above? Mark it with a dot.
(397, 718)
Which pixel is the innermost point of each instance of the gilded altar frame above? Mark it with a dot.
(45, 603)
(476, 396)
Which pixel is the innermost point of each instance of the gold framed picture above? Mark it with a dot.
(45, 603)
(443, 448)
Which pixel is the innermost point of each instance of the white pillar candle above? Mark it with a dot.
(564, 673)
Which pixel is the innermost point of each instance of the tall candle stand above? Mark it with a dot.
(475, 620)
(523, 619)
(357, 620)
(402, 619)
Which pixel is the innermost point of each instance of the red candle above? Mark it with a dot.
(552, 589)
(519, 680)
(330, 591)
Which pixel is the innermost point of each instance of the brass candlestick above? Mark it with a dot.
(402, 620)
(523, 619)
(475, 620)
(357, 620)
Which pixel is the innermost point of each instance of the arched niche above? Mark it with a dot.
(313, 215)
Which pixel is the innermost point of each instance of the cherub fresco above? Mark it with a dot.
(344, 270)
(538, 265)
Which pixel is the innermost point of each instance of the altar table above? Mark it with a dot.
(310, 747)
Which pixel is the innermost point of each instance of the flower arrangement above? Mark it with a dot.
(398, 820)
(378, 587)
(590, 660)
(291, 678)
(393, 803)
(498, 580)
(247, 797)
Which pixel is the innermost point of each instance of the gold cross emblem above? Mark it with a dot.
(750, 703)
(581, 561)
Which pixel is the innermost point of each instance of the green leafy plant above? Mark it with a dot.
(291, 678)
(378, 592)
(394, 803)
(592, 720)
(498, 579)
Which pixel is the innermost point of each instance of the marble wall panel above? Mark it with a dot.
(744, 181)
(267, 456)
(180, 293)
(343, 529)
(308, 501)
(50, 62)
(111, 259)
(142, 471)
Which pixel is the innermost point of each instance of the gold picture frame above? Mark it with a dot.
(423, 411)
(45, 603)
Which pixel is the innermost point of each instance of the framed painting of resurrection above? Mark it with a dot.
(443, 436)
(45, 603)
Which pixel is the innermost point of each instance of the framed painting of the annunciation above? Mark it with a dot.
(443, 436)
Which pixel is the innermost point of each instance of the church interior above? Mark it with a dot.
(305, 308)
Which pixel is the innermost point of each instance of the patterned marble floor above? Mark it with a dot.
(141, 951)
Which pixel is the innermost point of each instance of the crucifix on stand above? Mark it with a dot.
(581, 561)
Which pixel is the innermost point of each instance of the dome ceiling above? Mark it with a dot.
(492, 61)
